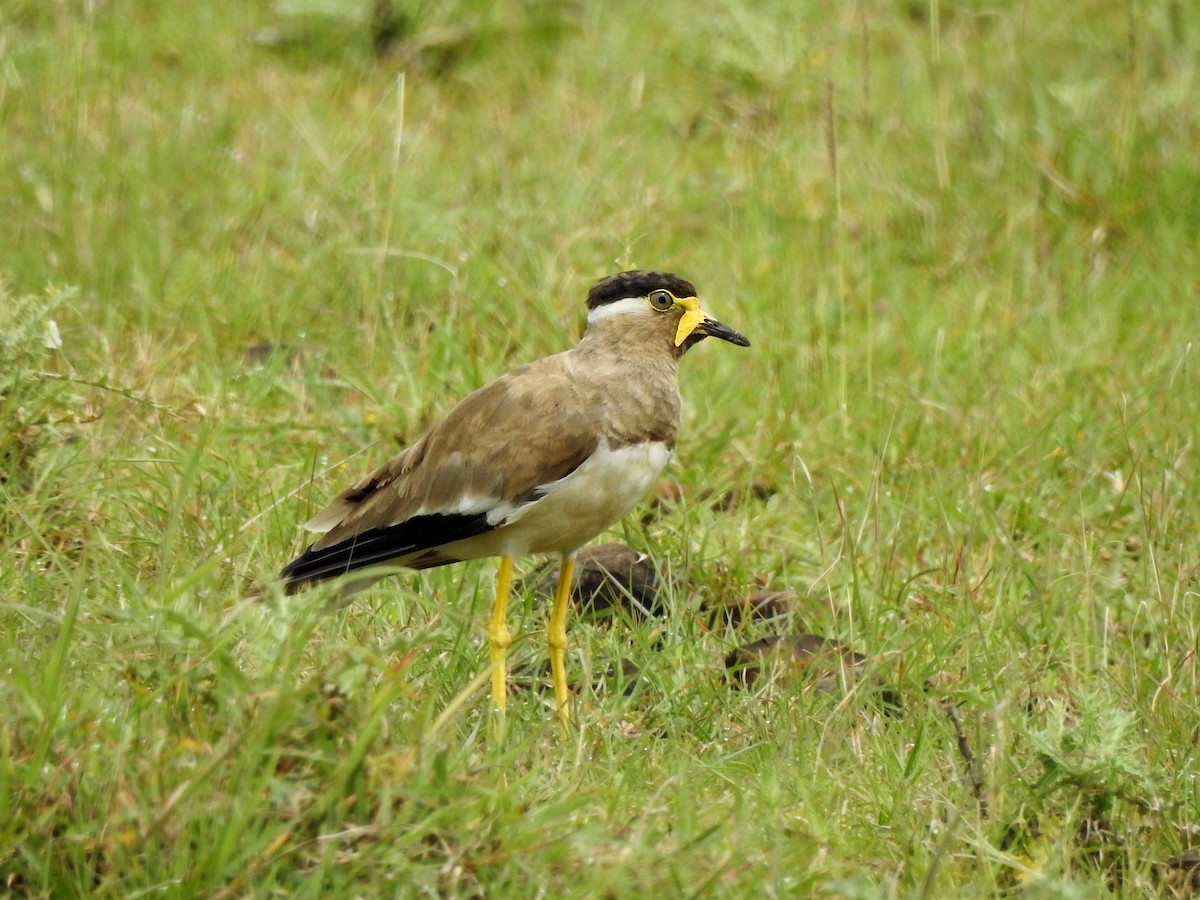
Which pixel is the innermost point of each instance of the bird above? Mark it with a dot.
(537, 462)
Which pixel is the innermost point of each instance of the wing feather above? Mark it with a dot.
(491, 454)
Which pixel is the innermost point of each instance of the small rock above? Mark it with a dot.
(607, 577)
(794, 655)
(666, 496)
(727, 500)
(1181, 873)
(791, 657)
(760, 606)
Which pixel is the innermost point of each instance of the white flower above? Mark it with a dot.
(52, 340)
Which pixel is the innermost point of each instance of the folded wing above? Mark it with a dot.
(491, 455)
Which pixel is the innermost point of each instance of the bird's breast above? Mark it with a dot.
(574, 509)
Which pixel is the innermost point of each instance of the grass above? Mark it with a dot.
(963, 239)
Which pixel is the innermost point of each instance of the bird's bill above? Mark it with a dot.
(695, 319)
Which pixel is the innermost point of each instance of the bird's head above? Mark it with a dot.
(663, 303)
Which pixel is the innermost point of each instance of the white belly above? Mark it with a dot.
(606, 486)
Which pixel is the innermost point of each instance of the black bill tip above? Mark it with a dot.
(716, 329)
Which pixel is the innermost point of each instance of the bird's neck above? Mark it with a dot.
(630, 342)
(635, 385)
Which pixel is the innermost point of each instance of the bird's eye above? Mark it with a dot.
(662, 300)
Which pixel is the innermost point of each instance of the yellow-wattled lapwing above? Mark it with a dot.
(539, 461)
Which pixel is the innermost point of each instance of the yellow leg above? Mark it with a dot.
(557, 637)
(497, 632)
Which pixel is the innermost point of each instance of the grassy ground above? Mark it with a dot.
(964, 241)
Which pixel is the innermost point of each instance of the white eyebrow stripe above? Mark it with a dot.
(617, 308)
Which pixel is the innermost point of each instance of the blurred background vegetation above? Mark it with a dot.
(241, 241)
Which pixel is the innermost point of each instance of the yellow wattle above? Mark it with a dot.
(687, 324)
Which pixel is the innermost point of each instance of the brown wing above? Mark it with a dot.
(487, 457)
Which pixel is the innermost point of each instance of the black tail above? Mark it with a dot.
(413, 543)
